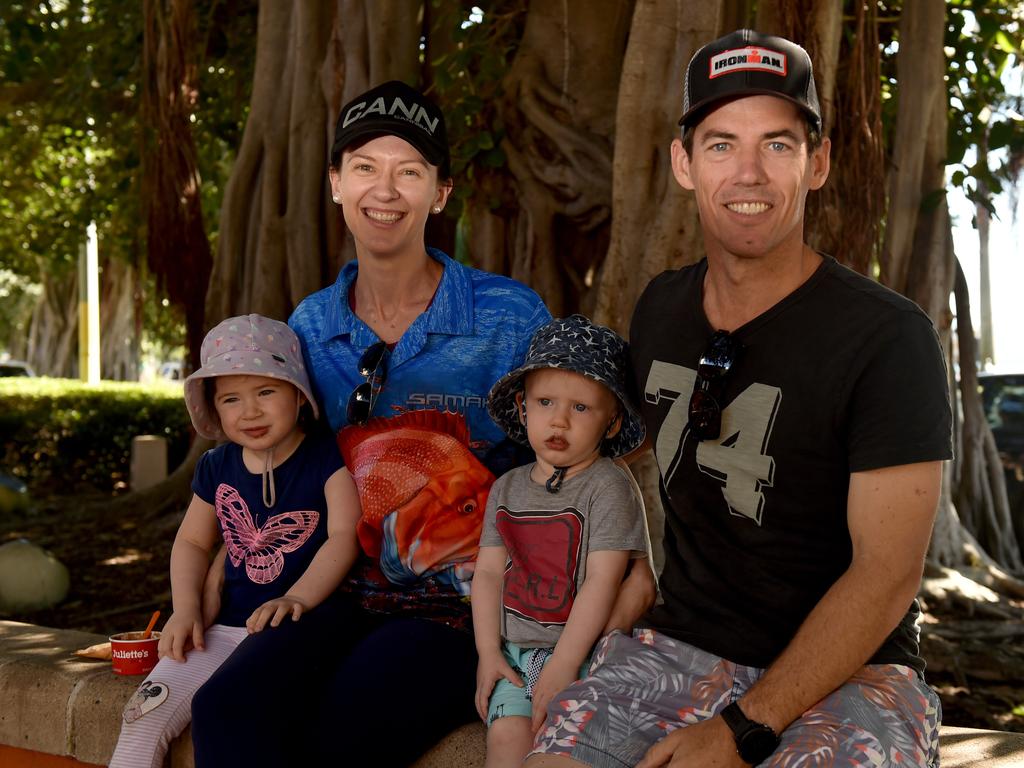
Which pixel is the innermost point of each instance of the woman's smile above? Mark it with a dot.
(383, 216)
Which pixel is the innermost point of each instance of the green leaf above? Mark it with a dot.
(485, 140)
(1002, 132)
(494, 158)
(1004, 43)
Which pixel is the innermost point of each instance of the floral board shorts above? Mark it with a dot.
(643, 687)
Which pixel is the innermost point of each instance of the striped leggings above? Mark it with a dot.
(162, 706)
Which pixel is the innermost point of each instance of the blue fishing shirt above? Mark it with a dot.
(476, 329)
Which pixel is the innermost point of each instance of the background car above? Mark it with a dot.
(1002, 395)
(170, 370)
(15, 368)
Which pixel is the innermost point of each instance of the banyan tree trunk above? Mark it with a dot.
(120, 322)
(52, 347)
(559, 112)
(270, 251)
(178, 251)
(655, 224)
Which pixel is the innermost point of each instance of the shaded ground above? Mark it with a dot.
(119, 577)
(118, 567)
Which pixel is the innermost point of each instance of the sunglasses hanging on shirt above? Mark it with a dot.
(372, 366)
(705, 411)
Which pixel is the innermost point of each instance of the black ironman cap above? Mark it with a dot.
(747, 63)
(394, 109)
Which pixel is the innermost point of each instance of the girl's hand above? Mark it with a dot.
(554, 678)
(182, 632)
(274, 611)
(491, 668)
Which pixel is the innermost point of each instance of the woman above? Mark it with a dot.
(387, 667)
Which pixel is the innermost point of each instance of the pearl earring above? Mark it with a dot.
(437, 209)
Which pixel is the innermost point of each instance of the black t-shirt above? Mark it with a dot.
(843, 375)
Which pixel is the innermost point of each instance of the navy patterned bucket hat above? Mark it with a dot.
(572, 344)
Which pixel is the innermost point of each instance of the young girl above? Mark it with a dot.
(279, 498)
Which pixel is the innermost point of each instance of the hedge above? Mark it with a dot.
(63, 436)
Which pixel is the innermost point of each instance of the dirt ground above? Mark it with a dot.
(119, 576)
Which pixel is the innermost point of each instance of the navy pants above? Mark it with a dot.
(339, 687)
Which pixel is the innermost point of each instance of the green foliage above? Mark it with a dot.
(71, 130)
(63, 436)
(467, 77)
(69, 73)
(984, 39)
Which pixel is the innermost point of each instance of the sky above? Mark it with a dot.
(1006, 264)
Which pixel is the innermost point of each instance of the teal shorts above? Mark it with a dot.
(508, 700)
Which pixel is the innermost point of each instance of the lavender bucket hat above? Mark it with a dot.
(250, 345)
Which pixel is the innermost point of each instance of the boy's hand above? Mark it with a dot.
(181, 632)
(554, 678)
(274, 611)
(491, 668)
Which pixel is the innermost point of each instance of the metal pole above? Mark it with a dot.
(93, 303)
(83, 315)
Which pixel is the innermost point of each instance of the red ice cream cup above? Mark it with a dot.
(131, 654)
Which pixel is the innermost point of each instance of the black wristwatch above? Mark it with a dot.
(754, 741)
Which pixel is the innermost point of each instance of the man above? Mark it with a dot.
(799, 415)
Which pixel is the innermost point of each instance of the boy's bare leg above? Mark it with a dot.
(509, 739)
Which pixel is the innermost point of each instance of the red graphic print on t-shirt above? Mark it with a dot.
(544, 557)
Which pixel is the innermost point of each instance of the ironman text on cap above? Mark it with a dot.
(749, 59)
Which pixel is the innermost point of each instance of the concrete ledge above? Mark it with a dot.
(59, 704)
(55, 704)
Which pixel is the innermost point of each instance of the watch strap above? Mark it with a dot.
(738, 722)
(754, 741)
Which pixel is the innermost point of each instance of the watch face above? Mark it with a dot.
(757, 744)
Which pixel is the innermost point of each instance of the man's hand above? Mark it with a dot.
(491, 668)
(709, 744)
(274, 611)
(554, 678)
(182, 632)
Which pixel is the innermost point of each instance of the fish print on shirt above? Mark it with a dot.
(423, 495)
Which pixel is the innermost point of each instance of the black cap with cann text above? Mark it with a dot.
(394, 109)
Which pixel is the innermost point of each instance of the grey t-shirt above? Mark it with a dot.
(548, 537)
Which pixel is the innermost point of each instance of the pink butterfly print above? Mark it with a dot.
(262, 549)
